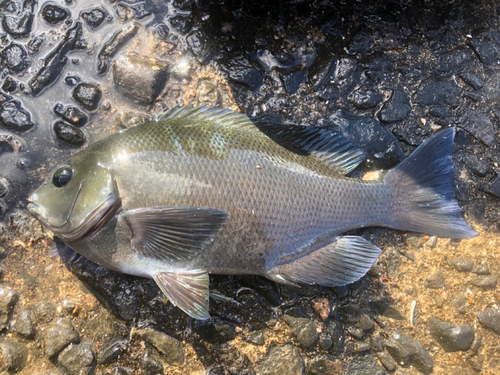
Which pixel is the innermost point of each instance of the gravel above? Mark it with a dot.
(285, 359)
(58, 336)
(450, 337)
(490, 318)
(8, 299)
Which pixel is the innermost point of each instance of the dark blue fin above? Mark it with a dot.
(423, 192)
(188, 290)
(342, 262)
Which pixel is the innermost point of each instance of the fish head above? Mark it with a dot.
(76, 199)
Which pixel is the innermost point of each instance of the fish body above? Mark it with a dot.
(198, 191)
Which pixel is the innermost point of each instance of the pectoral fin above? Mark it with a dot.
(188, 290)
(172, 233)
(344, 261)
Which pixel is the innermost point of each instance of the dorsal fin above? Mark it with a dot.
(323, 143)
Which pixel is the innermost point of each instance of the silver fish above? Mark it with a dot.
(207, 190)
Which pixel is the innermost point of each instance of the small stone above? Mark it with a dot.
(364, 364)
(69, 133)
(463, 264)
(490, 318)
(482, 268)
(321, 365)
(435, 281)
(53, 13)
(24, 324)
(325, 341)
(303, 328)
(77, 358)
(44, 311)
(13, 116)
(241, 70)
(18, 27)
(9, 85)
(112, 351)
(364, 98)
(432, 242)
(87, 95)
(200, 45)
(472, 80)
(14, 355)
(35, 43)
(335, 329)
(71, 114)
(387, 361)
(479, 125)
(256, 337)
(478, 165)
(476, 344)
(484, 281)
(449, 336)
(485, 50)
(181, 22)
(58, 336)
(361, 347)
(94, 17)
(438, 93)
(292, 80)
(397, 108)
(151, 364)
(8, 299)
(285, 359)
(139, 79)
(376, 343)
(169, 347)
(69, 305)
(406, 350)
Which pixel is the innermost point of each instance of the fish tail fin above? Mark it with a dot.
(423, 193)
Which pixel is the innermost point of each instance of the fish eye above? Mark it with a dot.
(62, 176)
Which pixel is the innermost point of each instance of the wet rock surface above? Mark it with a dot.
(450, 336)
(58, 336)
(388, 75)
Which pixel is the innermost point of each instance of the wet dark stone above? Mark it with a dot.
(476, 344)
(54, 13)
(54, 63)
(169, 347)
(161, 32)
(151, 364)
(256, 337)
(137, 10)
(112, 350)
(303, 328)
(438, 93)
(335, 329)
(35, 43)
(435, 280)
(494, 187)
(69, 133)
(490, 318)
(13, 355)
(44, 311)
(485, 50)
(364, 98)
(322, 70)
(376, 343)
(476, 164)
(9, 85)
(449, 336)
(24, 324)
(18, 26)
(387, 309)
(77, 358)
(387, 361)
(181, 22)
(285, 359)
(8, 299)
(321, 365)
(463, 264)
(479, 125)
(452, 62)
(292, 80)
(14, 57)
(406, 350)
(482, 269)
(241, 70)
(14, 117)
(111, 47)
(72, 80)
(364, 364)
(361, 43)
(217, 332)
(58, 336)
(139, 79)
(94, 17)
(71, 114)
(87, 95)
(200, 45)
(183, 4)
(329, 92)
(472, 80)
(380, 146)
(397, 108)
(484, 281)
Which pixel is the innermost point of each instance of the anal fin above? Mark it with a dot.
(342, 262)
(188, 290)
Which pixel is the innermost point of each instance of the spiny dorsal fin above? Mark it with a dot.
(323, 143)
(188, 290)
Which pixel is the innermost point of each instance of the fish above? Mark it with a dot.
(197, 191)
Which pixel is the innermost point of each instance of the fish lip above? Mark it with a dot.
(35, 210)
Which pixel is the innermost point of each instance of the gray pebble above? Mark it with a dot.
(68, 305)
(8, 298)
(450, 337)
(285, 359)
(432, 242)
(77, 359)
(406, 350)
(490, 318)
(476, 344)
(169, 347)
(387, 361)
(44, 312)
(151, 364)
(303, 328)
(112, 351)
(362, 347)
(435, 280)
(256, 337)
(482, 269)
(463, 264)
(484, 281)
(14, 355)
(364, 364)
(24, 324)
(376, 343)
(59, 335)
(320, 365)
